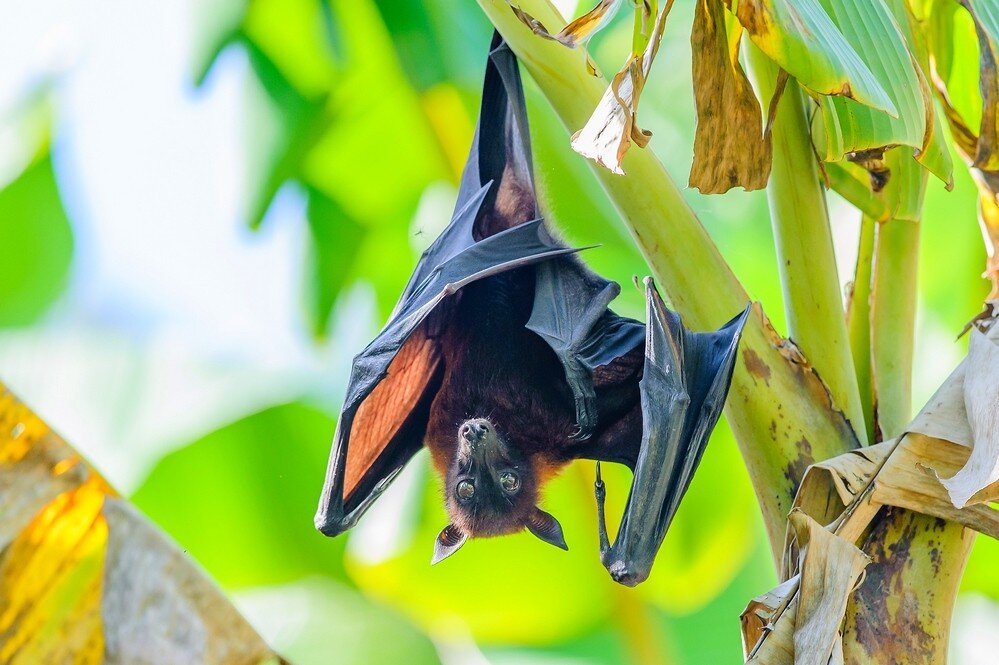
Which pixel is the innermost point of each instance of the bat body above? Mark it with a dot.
(503, 358)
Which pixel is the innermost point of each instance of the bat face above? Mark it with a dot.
(490, 486)
(491, 490)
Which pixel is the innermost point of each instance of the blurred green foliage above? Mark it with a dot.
(36, 243)
(366, 107)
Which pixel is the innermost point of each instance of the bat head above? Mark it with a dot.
(492, 490)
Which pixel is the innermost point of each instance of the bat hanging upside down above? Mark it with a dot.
(503, 358)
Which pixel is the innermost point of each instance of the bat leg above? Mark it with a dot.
(683, 388)
(600, 491)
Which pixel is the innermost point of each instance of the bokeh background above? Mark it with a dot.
(207, 208)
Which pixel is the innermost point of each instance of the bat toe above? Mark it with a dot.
(627, 575)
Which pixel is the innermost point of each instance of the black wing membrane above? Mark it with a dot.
(683, 389)
(570, 313)
(393, 381)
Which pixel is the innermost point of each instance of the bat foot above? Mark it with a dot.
(622, 574)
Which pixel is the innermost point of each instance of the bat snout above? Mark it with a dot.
(474, 431)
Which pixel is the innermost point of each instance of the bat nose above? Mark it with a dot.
(473, 431)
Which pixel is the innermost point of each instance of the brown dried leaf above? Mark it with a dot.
(85, 578)
(832, 493)
(830, 569)
(922, 471)
(981, 402)
(756, 618)
(799, 621)
(768, 625)
(577, 32)
(730, 147)
(987, 154)
(612, 127)
(909, 480)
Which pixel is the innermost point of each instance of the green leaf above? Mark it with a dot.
(906, 189)
(854, 184)
(241, 499)
(216, 26)
(335, 240)
(902, 196)
(875, 35)
(986, 13)
(36, 244)
(286, 127)
(425, 37)
(800, 37)
(294, 36)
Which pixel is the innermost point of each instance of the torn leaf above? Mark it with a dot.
(830, 569)
(768, 625)
(910, 480)
(730, 148)
(981, 401)
(799, 621)
(577, 32)
(612, 127)
(872, 161)
(832, 493)
(903, 473)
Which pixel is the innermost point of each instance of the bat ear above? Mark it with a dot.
(546, 527)
(449, 541)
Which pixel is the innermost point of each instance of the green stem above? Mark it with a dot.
(778, 410)
(805, 256)
(893, 323)
(858, 321)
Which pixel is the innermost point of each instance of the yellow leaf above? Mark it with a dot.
(84, 578)
(730, 148)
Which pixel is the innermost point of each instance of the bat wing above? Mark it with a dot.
(394, 379)
(685, 381)
(570, 313)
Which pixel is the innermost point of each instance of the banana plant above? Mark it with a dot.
(861, 98)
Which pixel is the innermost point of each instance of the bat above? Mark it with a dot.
(504, 360)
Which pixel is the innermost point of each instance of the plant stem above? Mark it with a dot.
(893, 322)
(858, 320)
(805, 256)
(778, 409)
(916, 560)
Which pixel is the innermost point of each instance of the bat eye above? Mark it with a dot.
(509, 481)
(465, 490)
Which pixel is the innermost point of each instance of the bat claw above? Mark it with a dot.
(599, 489)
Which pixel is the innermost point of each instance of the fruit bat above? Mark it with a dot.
(503, 358)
